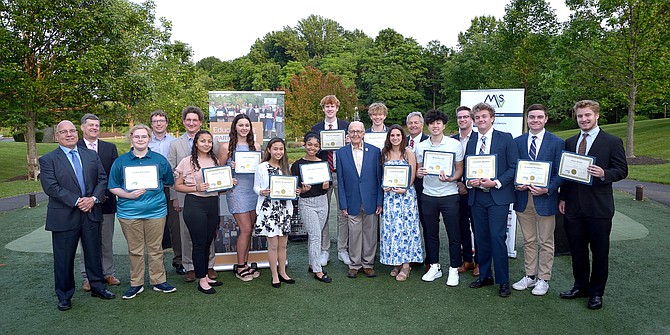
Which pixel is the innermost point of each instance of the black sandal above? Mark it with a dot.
(242, 273)
(254, 273)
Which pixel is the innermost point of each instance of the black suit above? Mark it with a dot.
(67, 223)
(466, 224)
(108, 154)
(589, 210)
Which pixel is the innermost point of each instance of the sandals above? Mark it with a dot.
(252, 270)
(403, 274)
(395, 271)
(243, 273)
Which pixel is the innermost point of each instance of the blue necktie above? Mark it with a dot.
(78, 171)
(533, 149)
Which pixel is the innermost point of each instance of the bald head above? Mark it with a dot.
(66, 134)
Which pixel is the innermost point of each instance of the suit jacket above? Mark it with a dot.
(550, 150)
(341, 125)
(501, 144)
(596, 200)
(365, 189)
(108, 154)
(179, 149)
(418, 182)
(59, 182)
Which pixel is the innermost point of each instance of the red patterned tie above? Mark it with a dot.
(330, 153)
(411, 143)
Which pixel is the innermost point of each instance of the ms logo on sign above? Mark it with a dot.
(497, 100)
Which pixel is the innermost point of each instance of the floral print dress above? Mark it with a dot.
(274, 216)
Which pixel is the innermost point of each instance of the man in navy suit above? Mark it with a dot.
(90, 127)
(75, 181)
(330, 105)
(489, 198)
(359, 178)
(536, 207)
(589, 209)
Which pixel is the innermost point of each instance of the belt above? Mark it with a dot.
(485, 190)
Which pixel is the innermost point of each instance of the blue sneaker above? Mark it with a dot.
(164, 287)
(132, 292)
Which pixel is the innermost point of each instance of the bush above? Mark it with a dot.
(637, 118)
(20, 137)
(569, 123)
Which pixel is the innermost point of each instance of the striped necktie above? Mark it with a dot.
(330, 153)
(533, 149)
(482, 149)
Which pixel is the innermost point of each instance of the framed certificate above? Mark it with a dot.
(219, 178)
(332, 139)
(396, 176)
(529, 172)
(246, 161)
(140, 177)
(283, 187)
(481, 166)
(279, 119)
(376, 139)
(575, 167)
(315, 173)
(269, 115)
(436, 161)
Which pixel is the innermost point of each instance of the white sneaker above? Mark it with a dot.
(433, 273)
(452, 280)
(524, 283)
(541, 287)
(324, 258)
(344, 257)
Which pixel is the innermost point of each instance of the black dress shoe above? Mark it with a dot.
(481, 282)
(276, 285)
(104, 294)
(595, 302)
(64, 305)
(211, 290)
(504, 290)
(574, 293)
(324, 278)
(286, 280)
(180, 270)
(215, 283)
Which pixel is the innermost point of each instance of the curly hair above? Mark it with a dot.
(194, 151)
(232, 143)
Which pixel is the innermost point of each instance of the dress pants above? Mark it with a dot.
(201, 215)
(314, 214)
(363, 232)
(466, 225)
(172, 229)
(140, 233)
(584, 232)
(187, 245)
(342, 222)
(449, 208)
(538, 241)
(106, 247)
(491, 233)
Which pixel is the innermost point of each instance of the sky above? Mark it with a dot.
(228, 29)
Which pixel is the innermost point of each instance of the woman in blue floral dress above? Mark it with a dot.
(400, 242)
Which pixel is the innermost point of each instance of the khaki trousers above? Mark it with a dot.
(141, 233)
(538, 241)
(363, 232)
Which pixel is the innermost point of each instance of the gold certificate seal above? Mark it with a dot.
(283, 191)
(248, 166)
(395, 181)
(532, 177)
(573, 171)
(437, 167)
(480, 171)
(332, 144)
(218, 182)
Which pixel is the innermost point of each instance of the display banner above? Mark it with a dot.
(508, 104)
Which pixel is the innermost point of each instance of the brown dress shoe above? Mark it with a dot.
(475, 272)
(111, 280)
(189, 276)
(86, 286)
(467, 266)
(212, 274)
(369, 272)
(353, 273)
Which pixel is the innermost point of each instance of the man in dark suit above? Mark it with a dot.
(415, 123)
(360, 195)
(536, 206)
(330, 105)
(464, 118)
(589, 209)
(90, 127)
(489, 198)
(75, 182)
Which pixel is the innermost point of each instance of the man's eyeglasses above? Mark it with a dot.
(356, 131)
(65, 132)
(463, 117)
(158, 121)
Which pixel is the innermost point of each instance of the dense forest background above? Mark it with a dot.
(116, 59)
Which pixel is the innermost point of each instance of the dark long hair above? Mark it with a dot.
(194, 150)
(387, 144)
(232, 143)
(283, 162)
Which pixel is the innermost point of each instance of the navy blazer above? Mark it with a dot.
(596, 200)
(59, 182)
(108, 154)
(550, 151)
(501, 144)
(365, 189)
(341, 125)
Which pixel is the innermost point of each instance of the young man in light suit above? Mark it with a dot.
(359, 178)
(536, 207)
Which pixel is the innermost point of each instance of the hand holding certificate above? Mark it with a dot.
(396, 176)
(529, 172)
(575, 167)
(437, 161)
(140, 177)
(480, 166)
(283, 187)
(315, 173)
(219, 178)
(332, 139)
(246, 161)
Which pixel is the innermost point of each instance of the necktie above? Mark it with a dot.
(411, 143)
(582, 145)
(78, 171)
(92, 146)
(482, 149)
(533, 149)
(330, 153)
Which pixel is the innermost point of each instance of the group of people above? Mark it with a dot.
(271, 117)
(77, 181)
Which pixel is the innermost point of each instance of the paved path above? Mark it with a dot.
(657, 192)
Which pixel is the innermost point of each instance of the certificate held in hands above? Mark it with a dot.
(529, 172)
(480, 166)
(396, 176)
(436, 161)
(246, 161)
(376, 139)
(315, 173)
(140, 177)
(283, 187)
(219, 178)
(575, 167)
(332, 139)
